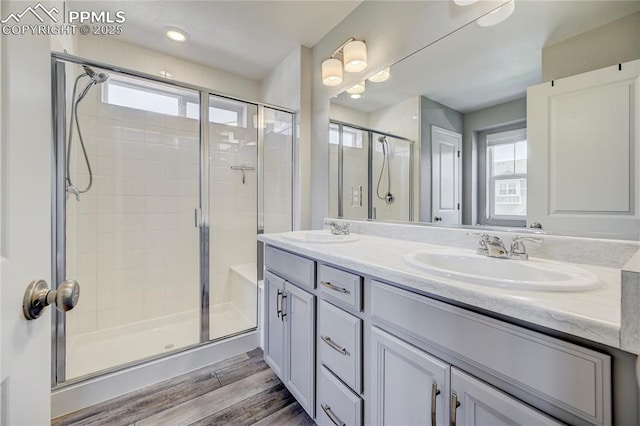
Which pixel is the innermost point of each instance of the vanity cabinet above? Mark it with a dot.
(290, 337)
(354, 350)
(412, 387)
(409, 386)
(477, 403)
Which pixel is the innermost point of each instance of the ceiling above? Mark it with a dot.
(477, 67)
(246, 38)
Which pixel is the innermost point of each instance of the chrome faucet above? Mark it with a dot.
(518, 250)
(494, 247)
(337, 228)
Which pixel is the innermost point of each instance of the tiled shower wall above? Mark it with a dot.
(131, 240)
(130, 284)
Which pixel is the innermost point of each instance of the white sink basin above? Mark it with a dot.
(531, 275)
(319, 237)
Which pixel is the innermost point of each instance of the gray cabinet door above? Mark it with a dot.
(300, 343)
(483, 405)
(405, 380)
(274, 344)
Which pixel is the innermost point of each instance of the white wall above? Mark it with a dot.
(115, 52)
(392, 30)
(288, 86)
(610, 44)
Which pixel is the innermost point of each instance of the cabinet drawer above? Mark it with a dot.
(573, 378)
(340, 343)
(341, 286)
(337, 405)
(295, 269)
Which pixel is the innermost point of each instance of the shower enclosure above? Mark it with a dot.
(160, 189)
(371, 173)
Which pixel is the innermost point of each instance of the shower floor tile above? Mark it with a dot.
(241, 390)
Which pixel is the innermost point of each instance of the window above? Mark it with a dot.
(165, 99)
(351, 138)
(507, 175)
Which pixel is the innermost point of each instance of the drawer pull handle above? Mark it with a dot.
(434, 393)
(336, 421)
(327, 284)
(454, 408)
(334, 346)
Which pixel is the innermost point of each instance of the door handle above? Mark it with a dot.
(438, 219)
(434, 393)
(279, 304)
(38, 297)
(454, 409)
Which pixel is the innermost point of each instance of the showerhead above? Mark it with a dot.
(96, 78)
(382, 139)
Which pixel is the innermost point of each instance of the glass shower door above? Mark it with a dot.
(233, 197)
(130, 239)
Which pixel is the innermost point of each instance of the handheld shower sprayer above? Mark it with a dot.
(389, 198)
(94, 79)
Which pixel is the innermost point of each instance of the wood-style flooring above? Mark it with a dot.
(241, 390)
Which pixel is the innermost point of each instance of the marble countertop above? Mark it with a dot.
(593, 315)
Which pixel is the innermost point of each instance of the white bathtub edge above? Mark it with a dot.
(75, 397)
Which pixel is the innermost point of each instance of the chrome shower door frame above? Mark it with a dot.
(202, 213)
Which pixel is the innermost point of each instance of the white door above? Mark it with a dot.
(299, 317)
(446, 179)
(274, 324)
(479, 404)
(410, 387)
(584, 153)
(25, 226)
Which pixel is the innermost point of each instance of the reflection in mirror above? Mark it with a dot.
(463, 102)
(371, 173)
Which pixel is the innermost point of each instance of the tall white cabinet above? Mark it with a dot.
(584, 154)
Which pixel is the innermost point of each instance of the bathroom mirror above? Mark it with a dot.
(444, 138)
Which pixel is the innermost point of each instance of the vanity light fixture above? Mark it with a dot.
(357, 88)
(332, 72)
(498, 15)
(176, 34)
(355, 96)
(354, 56)
(381, 76)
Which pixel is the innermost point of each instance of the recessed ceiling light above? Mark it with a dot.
(357, 88)
(381, 76)
(356, 96)
(176, 34)
(498, 15)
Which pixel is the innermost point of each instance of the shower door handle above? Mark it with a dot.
(38, 297)
(197, 217)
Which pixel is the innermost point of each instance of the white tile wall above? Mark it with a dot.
(131, 241)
